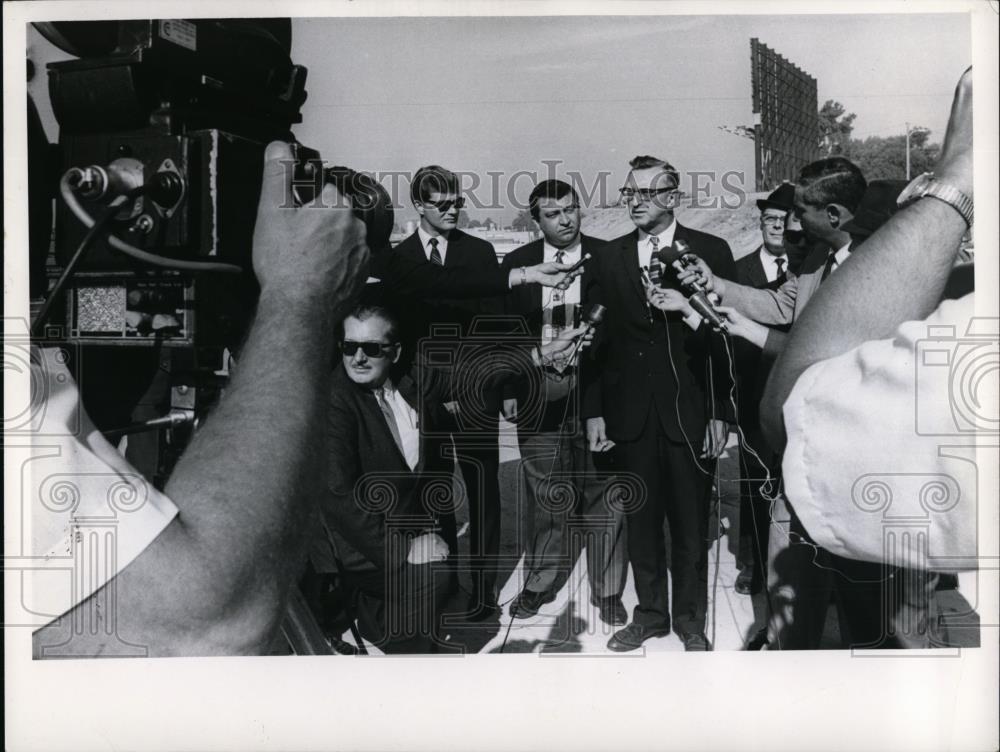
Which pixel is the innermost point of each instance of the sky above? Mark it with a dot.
(508, 100)
(482, 95)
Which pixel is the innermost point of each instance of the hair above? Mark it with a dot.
(834, 180)
(549, 189)
(645, 161)
(432, 179)
(374, 302)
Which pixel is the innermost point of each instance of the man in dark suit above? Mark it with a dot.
(551, 439)
(375, 512)
(441, 323)
(652, 403)
(765, 267)
(384, 485)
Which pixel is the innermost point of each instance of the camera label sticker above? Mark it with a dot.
(180, 32)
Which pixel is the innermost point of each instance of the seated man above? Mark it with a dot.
(383, 489)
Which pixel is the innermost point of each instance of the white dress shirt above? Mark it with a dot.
(841, 256)
(665, 239)
(406, 422)
(425, 241)
(78, 496)
(645, 248)
(770, 263)
(878, 466)
(570, 256)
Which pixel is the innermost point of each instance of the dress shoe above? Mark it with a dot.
(759, 640)
(612, 611)
(528, 602)
(632, 637)
(744, 581)
(695, 642)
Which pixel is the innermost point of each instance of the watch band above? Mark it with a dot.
(927, 184)
(951, 196)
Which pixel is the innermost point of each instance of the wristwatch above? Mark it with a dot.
(928, 185)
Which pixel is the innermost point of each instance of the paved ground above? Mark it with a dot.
(571, 625)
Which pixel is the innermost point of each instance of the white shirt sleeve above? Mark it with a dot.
(90, 513)
(880, 462)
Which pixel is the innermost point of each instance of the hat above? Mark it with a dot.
(877, 205)
(782, 197)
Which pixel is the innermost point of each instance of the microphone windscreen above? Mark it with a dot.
(668, 256)
(596, 314)
(677, 250)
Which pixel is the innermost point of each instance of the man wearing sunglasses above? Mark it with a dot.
(384, 475)
(653, 404)
(436, 320)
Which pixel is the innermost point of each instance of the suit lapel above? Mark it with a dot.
(412, 247)
(375, 412)
(758, 277)
(536, 256)
(628, 255)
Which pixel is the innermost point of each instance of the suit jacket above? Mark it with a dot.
(634, 348)
(411, 276)
(523, 305)
(783, 305)
(426, 308)
(752, 366)
(369, 485)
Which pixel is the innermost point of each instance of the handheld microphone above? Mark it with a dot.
(680, 256)
(594, 317)
(564, 285)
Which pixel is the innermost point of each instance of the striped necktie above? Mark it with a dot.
(558, 296)
(435, 253)
(655, 267)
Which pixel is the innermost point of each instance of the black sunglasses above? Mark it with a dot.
(443, 206)
(370, 349)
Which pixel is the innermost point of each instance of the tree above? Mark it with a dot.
(474, 223)
(835, 128)
(463, 219)
(884, 157)
(523, 221)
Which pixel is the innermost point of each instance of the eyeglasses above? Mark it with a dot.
(770, 219)
(644, 194)
(371, 349)
(444, 206)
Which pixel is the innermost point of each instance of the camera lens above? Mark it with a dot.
(370, 202)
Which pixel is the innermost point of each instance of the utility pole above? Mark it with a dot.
(907, 152)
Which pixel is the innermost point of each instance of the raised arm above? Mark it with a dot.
(899, 277)
(216, 580)
(421, 278)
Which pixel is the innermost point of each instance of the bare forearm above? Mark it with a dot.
(898, 275)
(245, 483)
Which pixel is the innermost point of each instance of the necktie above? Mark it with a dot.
(780, 264)
(831, 262)
(435, 253)
(390, 418)
(655, 267)
(559, 295)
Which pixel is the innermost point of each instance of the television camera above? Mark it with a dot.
(163, 125)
